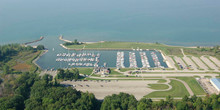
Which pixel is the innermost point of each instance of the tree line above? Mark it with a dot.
(75, 42)
(32, 92)
(67, 74)
(9, 50)
(6, 51)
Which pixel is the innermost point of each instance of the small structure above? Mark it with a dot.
(216, 83)
(103, 70)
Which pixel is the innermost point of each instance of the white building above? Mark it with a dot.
(216, 83)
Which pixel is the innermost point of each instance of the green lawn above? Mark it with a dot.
(193, 84)
(162, 80)
(86, 71)
(207, 76)
(158, 86)
(110, 45)
(113, 72)
(126, 69)
(178, 90)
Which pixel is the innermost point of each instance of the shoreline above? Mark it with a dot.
(65, 47)
(110, 49)
(41, 54)
(65, 40)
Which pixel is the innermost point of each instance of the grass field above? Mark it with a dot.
(193, 84)
(170, 50)
(86, 71)
(113, 72)
(178, 90)
(23, 61)
(158, 86)
(126, 69)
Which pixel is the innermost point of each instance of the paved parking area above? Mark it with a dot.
(180, 61)
(108, 87)
(207, 86)
(190, 62)
(209, 63)
(200, 63)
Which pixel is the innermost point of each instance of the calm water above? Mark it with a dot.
(186, 22)
(48, 60)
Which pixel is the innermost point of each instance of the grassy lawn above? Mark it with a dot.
(170, 50)
(86, 71)
(158, 86)
(207, 76)
(113, 72)
(126, 69)
(193, 84)
(178, 90)
(162, 80)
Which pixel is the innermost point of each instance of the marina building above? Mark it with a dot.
(216, 83)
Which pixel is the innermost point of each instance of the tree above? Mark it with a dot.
(68, 74)
(76, 42)
(1, 81)
(6, 69)
(144, 104)
(40, 47)
(122, 101)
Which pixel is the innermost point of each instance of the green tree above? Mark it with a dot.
(6, 69)
(40, 47)
(145, 104)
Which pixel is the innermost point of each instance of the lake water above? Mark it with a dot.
(174, 22)
(186, 22)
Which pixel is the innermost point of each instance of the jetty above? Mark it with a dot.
(65, 40)
(41, 38)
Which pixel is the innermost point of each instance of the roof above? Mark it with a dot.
(216, 81)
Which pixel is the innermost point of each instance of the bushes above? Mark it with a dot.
(68, 74)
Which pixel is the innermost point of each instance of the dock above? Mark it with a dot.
(65, 40)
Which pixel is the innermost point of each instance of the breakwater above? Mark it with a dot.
(41, 38)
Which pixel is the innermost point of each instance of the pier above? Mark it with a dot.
(61, 38)
(132, 60)
(156, 60)
(144, 60)
(120, 60)
(41, 38)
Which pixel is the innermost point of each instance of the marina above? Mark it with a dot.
(57, 57)
(82, 59)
